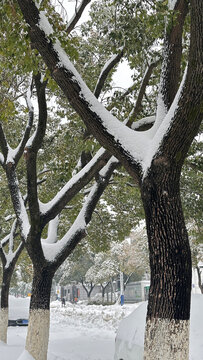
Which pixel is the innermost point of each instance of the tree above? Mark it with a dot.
(38, 220)
(9, 260)
(101, 272)
(75, 269)
(49, 253)
(154, 158)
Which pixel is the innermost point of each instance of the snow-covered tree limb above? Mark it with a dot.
(76, 17)
(73, 186)
(11, 257)
(18, 201)
(59, 251)
(137, 153)
(52, 231)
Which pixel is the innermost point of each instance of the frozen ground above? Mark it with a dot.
(80, 332)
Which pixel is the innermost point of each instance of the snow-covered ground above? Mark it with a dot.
(81, 332)
(78, 332)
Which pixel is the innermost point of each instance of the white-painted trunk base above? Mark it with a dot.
(167, 340)
(3, 324)
(38, 334)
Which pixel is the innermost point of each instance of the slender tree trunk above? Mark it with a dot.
(113, 292)
(39, 319)
(167, 327)
(88, 292)
(7, 274)
(199, 279)
(103, 293)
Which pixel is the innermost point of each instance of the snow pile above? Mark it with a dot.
(130, 335)
(88, 316)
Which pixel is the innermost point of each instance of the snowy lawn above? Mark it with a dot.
(81, 332)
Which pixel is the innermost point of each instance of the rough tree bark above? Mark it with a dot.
(39, 316)
(170, 263)
(7, 274)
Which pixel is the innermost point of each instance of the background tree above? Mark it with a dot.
(75, 269)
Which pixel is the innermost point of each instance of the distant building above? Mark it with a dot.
(137, 291)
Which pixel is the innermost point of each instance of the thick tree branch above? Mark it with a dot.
(37, 139)
(171, 67)
(186, 112)
(31, 153)
(76, 17)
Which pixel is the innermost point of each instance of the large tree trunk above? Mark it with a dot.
(167, 328)
(7, 274)
(39, 318)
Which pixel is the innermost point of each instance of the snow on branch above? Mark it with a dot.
(171, 4)
(52, 231)
(134, 149)
(18, 201)
(147, 121)
(73, 186)
(7, 259)
(1, 159)
(161, 127)
(90, 109)
(5, 240)
(59, 250)
(76, 17)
